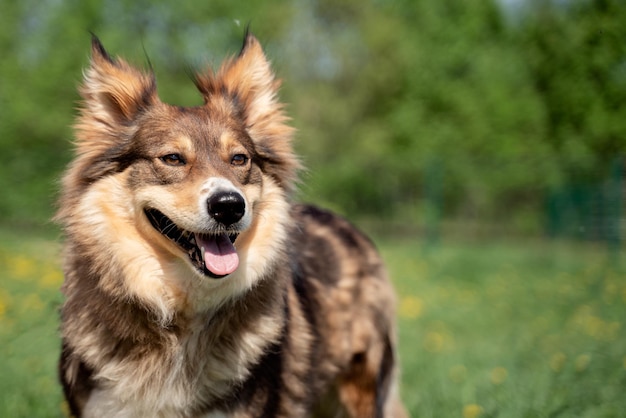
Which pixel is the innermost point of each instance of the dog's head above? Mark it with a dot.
(197, 178)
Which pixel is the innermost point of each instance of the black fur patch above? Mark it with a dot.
(384, 378)
(83, 383)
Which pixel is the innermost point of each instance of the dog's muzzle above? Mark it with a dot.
(212, 253)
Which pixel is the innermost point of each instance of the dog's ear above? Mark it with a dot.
(249, 82)
(113, 91)
(251, 79)
(248, 79)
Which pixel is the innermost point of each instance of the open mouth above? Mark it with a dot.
(213, 255)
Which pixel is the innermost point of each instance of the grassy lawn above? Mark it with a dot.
(30, 278)
(496, 329)
(529, 329)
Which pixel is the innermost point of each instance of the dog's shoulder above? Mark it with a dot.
(335, 262)
(312, 221)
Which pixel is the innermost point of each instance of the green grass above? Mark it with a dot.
(495, 329)
(505, 329)
(30, 278)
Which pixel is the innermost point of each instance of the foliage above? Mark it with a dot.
(451, 93)
(578, 64)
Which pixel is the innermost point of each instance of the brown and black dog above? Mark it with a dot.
(193, 286)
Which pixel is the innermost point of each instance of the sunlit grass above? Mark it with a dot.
(508, 329)
(499, 329)
(30, 277)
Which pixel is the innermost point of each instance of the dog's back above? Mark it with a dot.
(346, 302)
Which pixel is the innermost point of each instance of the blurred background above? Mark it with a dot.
(482, 143)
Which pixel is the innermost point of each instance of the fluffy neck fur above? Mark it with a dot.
(150, 366)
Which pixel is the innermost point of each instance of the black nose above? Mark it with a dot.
(226, 207)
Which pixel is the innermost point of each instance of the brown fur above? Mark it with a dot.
(303, 326)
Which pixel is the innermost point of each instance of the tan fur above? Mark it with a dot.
(148, 329)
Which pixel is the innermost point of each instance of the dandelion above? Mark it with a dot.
(65, 409)
(3, 307)
(611, 290)
(32, 303)
(411, 307)
(458, 373)
(499, 375)
(434, 342)
(21, 266)
(612, 330)
(472, 411)
(582, 362)
(557, 361)
(51, 278)
(5, 303)
(594, 326)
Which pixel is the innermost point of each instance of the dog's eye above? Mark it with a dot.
(239, 160)
(174, 160)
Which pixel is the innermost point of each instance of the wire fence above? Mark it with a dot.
(582, 210)
(591, 211)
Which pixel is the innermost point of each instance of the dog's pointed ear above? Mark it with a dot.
(248, 81)
(251, 77)
(113, 91)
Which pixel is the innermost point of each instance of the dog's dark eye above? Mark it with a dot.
(175, 160)
(239, 160)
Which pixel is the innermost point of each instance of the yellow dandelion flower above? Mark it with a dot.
(557, 361)
(582, 362)
(458, 373)
(21, 266)
(411, 307)
(32, 302)
(499, 375)
(5, 301)
(594, 326)
(472, 411)
(65, 409)
(612, 330)
(434, 342)
(51, 278)
(611, 289)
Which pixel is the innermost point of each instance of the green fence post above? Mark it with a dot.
(615, 201)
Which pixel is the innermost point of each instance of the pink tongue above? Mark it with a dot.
(220, 256)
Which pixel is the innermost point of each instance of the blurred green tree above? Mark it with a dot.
(577, 57)
(424, 84)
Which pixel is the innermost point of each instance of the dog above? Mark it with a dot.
(193, 286)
